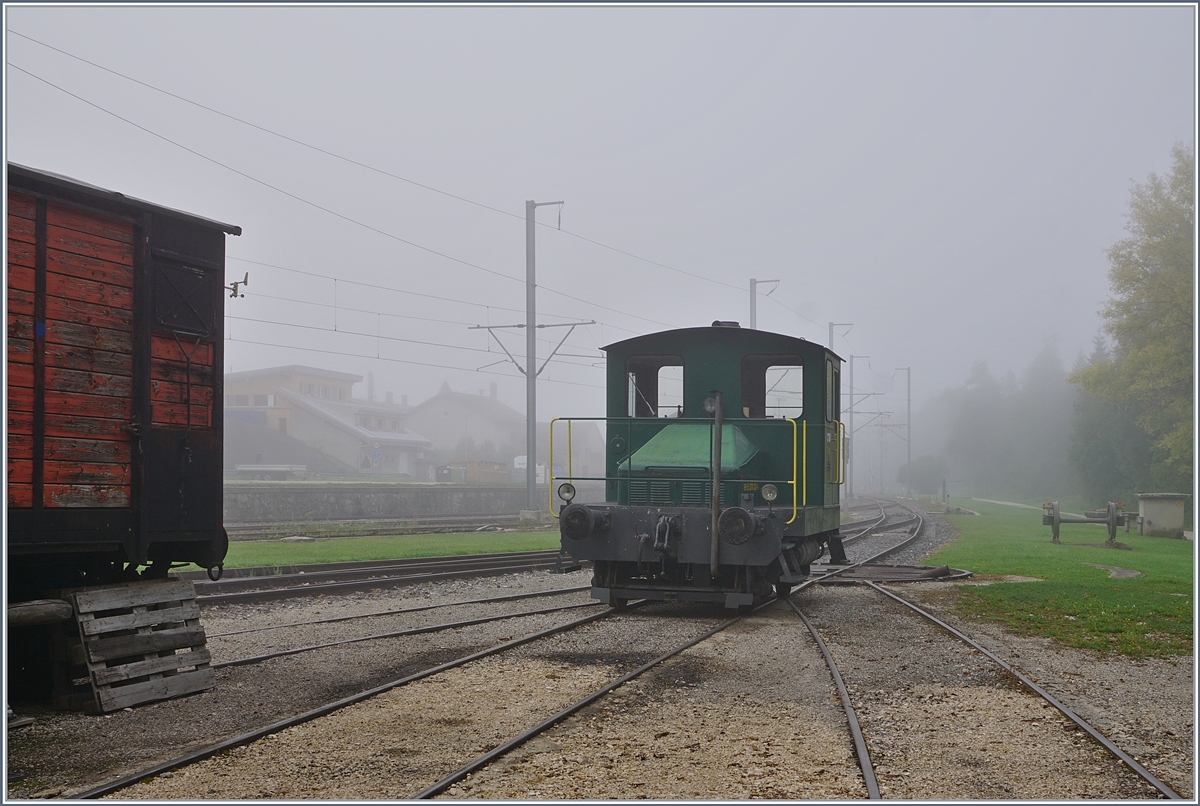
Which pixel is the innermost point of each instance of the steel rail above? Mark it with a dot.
(541, 727)
(337, 572)
(860, 742)
(1103, 740)
(329, 708)
(397, 634)
(373, 583)
(401, 610)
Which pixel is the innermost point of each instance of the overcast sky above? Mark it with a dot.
(947, 179)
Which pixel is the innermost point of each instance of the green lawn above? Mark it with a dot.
(250, 553)
(1075, 603)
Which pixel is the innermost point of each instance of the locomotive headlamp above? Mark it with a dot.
(710, 404)
(770, 492)
(566, 491)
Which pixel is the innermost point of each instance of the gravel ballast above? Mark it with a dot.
(749, 713)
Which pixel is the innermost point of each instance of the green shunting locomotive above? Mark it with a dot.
(778, 466)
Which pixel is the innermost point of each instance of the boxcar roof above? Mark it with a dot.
(707, 334)
(22, 172)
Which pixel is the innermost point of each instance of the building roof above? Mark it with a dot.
(343, 414)
(294, 369)
(22, 172)
(484, 405)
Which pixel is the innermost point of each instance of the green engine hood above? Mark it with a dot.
(685, 450)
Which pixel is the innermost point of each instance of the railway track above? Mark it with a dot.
(502, 747)
(255, 585)
(364, 527)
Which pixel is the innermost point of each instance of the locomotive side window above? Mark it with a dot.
(654, 386)
(772, 386)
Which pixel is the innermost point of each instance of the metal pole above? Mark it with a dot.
(908, 417)
(531, 370)
(718, 420)
(908, 430)
(530, 360)
(754, 284)
(832, 325)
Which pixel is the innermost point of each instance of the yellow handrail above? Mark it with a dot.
(550, 461)
(793, 479)
(841, 452)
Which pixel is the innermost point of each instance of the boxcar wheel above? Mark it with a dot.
(782, 589)
(618, 603)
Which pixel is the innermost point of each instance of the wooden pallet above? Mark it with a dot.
(130, 644)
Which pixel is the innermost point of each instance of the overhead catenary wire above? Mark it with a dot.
(380, 337)
(322, 208)
(400, 361)
(372, 168)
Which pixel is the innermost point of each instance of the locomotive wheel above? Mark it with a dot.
(618, 603)
(782, 589)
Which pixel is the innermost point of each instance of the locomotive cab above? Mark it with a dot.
(777, 466)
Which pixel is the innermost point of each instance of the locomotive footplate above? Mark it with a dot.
(618, 596)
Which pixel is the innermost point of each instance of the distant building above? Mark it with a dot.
(316, 408)
(255, 389)
(466, 427)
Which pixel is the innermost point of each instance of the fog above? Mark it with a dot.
(946, 179)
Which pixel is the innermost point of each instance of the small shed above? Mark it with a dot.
(1162, 514)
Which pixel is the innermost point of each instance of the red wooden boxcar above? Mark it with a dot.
(115, 323)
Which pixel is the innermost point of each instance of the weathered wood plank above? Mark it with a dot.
(21, 229)
(20, 471)
(20, 446)
(177, 372)
(163, 345)
(131, 594)
(65, 425)
(21, 254)
(69, 356)
(65, 449)
(169, 392)
(68, 496)
(111, 408)
(20, 422)
(86, 313)
(20, 398)
(100, 338)
(20, 303)
(20, 375)
(128, 671)
(21, 205)
(20, 327)
(20, 495)
(20, 351)
(87, 268)
(86, 473)
(131, 621)
(21, 278)
(117, 697)
(125, 646)
(85, 243)
(176, 414)
(97, 293)
(88, 383)
(73, 218)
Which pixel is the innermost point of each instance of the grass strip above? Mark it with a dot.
(1074, 602)
(253, 553)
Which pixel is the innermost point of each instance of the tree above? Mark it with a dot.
(924, 475)
(1150, 318)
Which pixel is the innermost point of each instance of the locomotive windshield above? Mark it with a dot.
(772, 386)
(654, 386)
